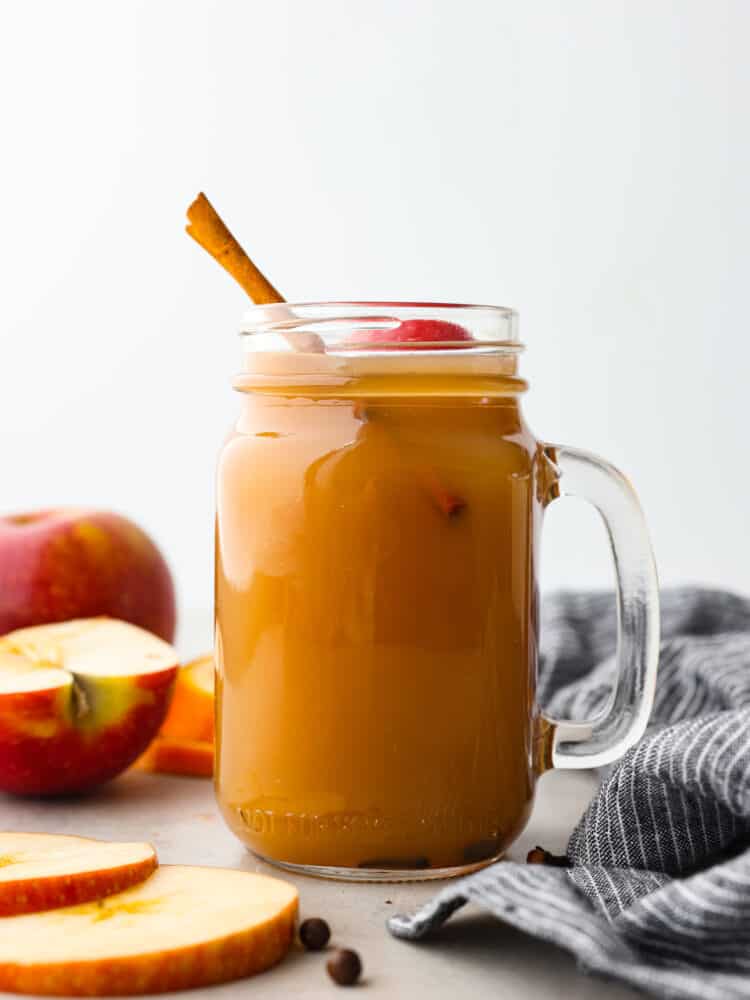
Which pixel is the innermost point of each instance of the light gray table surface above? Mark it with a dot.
(474, 955)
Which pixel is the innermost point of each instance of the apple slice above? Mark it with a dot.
(41, 871)
(414, 335)
(166, 755)
(79, 701)
(182, 928)
(191, 711)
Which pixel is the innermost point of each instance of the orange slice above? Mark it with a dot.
(171, 756)
(191, 712)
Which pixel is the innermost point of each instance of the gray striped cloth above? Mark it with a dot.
(658, 892)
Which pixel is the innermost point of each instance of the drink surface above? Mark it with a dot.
(376, 615)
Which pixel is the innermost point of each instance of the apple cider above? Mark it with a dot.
(376, 612)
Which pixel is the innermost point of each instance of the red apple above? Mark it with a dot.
(56, 565)
(79, 701)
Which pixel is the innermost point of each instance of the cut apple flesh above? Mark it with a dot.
(79, 701)
(91, 647)
(40, 871)
(17, 674)
(182, 928)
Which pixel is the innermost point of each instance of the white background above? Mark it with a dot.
(585, 161)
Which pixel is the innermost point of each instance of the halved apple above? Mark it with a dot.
(79, 701)
(166, 755)
(182, 928)
(40, 871)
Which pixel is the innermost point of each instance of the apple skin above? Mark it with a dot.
(69, 563)
(44, 751)
(414, 335)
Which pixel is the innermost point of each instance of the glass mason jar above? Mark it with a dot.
(380, 501)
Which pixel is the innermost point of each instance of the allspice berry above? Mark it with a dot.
(344, 967)
(538, 856)
(314, 933)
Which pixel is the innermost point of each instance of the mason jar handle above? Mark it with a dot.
(569, 472)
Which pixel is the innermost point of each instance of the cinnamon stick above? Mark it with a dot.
(209, 230)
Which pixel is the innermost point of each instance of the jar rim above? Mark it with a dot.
(333, 322)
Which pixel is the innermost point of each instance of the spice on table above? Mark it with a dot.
(314, 933)
(538, 856)
(344, 967)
